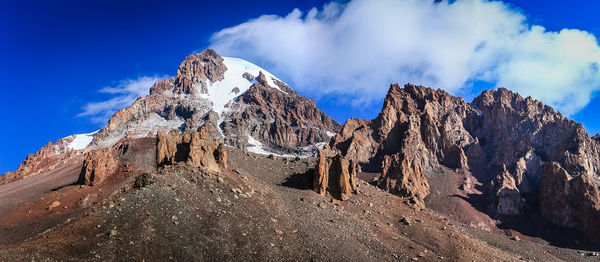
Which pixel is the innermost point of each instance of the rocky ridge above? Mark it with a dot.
(500, 140)
(50, 156)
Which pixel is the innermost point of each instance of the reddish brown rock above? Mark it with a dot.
(403, 175)
(425, 137)
(166, 147)
(334, 175)
(282, 122)
(198, 149)
(221, 156)
(97, 166)
(162, 86)
(196, 69)
(202, 152)
(570, 202)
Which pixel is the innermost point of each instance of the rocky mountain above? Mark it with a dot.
(499, 155)
(244, 105)
(248, 107)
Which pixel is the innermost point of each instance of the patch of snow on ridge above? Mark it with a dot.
(255, 146)
(220, 93)
(74, 142)
(81, 141)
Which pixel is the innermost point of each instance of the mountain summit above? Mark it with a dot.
(247, 107)
(242, 104)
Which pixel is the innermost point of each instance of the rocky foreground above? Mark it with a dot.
(255, 208)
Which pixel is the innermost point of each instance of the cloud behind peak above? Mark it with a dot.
(353, 51)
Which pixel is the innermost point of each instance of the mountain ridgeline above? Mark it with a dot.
(516, 153)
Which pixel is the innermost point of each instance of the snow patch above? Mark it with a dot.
(255, 146)
(152, 123)
(330, 134)
(81, 141)
(220, 93)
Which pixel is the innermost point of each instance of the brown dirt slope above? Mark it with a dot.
(261, 209)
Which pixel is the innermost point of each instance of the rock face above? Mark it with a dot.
(334, 174)
(196, 69)
(246, 106)
(501, 140)
(197, 149)
(97, 166)
(572, 202)
(505, 196)
(287, 120)
(403, 175)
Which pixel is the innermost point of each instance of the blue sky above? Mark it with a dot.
(56, 55)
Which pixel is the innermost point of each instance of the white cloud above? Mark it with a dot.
(123, 94)
(355, 50)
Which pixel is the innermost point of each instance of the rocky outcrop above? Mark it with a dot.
(250, 109)
(287, 123)
(197, 149)
(403, 175)
(221, 155)
(419, 133)
(500, 140)
(505, 196)
(97, 166)
(162, 87)
(196, 69)
(334, 175)
(568, 201)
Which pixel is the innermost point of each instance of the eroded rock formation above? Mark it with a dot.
(500, 140)
(198, 149)
(505, 196)
(334, 175)
(196, 69)
(98, 165)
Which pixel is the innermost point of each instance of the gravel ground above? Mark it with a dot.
(261, 209)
